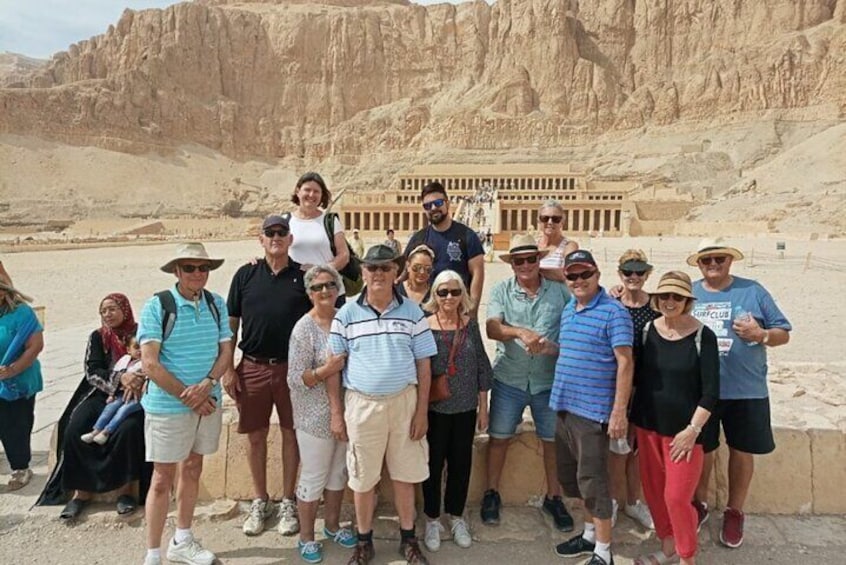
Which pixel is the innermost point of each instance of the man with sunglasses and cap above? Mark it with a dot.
(747, 321)
(266, 299)
(388, 345)
(182, 405)
(523, 318)
(593, 382)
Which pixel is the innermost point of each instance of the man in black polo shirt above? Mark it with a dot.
(269, 296)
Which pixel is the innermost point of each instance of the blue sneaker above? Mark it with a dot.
(311, 551)
(344, 537)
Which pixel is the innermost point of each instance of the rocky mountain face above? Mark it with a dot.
(350, 78)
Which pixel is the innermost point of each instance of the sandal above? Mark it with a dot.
(126, 504)
(657, 558)
(73, 509)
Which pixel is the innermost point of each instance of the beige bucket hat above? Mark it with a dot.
(521, 244)
(190, 251)
(713, 246)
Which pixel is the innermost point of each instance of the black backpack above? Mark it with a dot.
(168, 303)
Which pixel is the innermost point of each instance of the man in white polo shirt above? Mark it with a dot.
(388, 346)
(186, 346)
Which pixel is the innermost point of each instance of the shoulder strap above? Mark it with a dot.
(698, 339)
(645, 332)
(169, 308)
(329, 228)
(212, 306)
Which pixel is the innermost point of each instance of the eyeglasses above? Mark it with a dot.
(434, 204)
(673, 295)
(553, 219)
(386, 268)
(718, 259)
(281, 232)
(191, 268)
(517, 261)
(444, 292)
(626, 273)
(421, 268)
(584, 275)
(320, 287)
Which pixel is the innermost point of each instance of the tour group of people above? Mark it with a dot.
(627, 388)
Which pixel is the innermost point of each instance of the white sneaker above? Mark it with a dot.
(260, 510)
(152, 560)
(190, 551)
(289, 521)
(101, 438)
(89, 437)
(614, 508)
(639, 512)
(460, 533)
(432, 539)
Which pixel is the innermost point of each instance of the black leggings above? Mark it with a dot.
(16, 420)
(450, 439)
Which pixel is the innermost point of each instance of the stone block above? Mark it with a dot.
(239, 483)
(782, 480)
(522, 478)
(828, 460)
(213, 479)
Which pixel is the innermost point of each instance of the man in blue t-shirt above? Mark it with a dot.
(456, 246)
(747, 321)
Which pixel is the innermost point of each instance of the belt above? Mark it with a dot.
(265, 360)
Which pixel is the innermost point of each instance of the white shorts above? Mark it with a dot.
(171, 438)
(323, 466)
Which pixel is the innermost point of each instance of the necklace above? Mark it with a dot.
(457, 342)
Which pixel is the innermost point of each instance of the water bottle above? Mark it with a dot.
(620, 446)
(741, 315)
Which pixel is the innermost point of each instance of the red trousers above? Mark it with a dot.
(669, 488)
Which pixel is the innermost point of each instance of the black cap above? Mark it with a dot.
(579, 257)
(275, 220)
(380, 254)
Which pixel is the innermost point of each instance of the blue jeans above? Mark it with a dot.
(114, 413)
(507, 405)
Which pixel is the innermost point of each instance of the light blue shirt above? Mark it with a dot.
(28, 382)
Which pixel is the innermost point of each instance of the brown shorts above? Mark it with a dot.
(582, 457)
(262, 387)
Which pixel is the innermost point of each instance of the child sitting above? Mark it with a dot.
(123, 402)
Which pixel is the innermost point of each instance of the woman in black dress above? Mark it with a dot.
(83, 469)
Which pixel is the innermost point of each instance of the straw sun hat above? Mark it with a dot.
(713, 246)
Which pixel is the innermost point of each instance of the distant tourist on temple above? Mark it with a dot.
(550, 226)
(456, 246)
(392, 242)
(747, 321)
(418, 270)
(357, 244)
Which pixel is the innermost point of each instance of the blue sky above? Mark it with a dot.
(40, 28)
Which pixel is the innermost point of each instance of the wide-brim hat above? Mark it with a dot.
(523, 244)
(193, 251)
(713, 246)
(7, 286)
(675, 282)
(381, 255)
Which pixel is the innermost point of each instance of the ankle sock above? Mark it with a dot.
(589, 535)
(603, 550)
(182, 535)
(365, 538)
(155, 553)
(406, 535)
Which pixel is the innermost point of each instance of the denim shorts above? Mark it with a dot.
(506, 413)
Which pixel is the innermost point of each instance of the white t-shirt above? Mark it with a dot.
(311, 245)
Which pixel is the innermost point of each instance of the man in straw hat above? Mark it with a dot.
(593, 382)
(747, 321)
(523, 317)
(388, 345)
(184, 359)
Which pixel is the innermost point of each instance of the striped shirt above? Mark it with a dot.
(190, 350)
(586, 371)
(382, 349)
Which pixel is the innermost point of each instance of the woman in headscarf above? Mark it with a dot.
(84, 469)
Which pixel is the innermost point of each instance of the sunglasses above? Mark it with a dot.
(584, 275)
(320, 287)
(673, 295)
(281, 232)
(553, 219)
(421, 268)
(626, 273)
(434, 204)
(386, 268)
(444, 292)
(719, 260)
(517, 261)
(192, 268)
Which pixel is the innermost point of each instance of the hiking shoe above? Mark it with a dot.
(311, 551)
(574, 547)
(362, 554)
(289, 520)
(702, 514)
(19, 479)
(597, 560)
(555, 507)
(410, 550)
(190, 551)
(260, 511)
(491, 504)
(731, 534)
(460, 533)
(344, 537)
(432, 538)
(639, 512)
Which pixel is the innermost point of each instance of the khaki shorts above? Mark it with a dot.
(378, 428)
(171, 438)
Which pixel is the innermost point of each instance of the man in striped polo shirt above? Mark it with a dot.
(388, 346)
(182, 404)
(593, 382)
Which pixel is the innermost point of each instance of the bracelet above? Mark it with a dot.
(695, 428)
